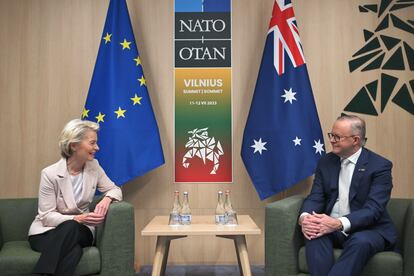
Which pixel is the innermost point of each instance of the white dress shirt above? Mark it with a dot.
(341, 207)
(77, 184)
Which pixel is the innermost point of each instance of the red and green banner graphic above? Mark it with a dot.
(203, 116)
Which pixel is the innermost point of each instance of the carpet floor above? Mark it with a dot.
(202, 270)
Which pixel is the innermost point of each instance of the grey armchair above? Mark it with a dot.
(112, 255)
(284, 242)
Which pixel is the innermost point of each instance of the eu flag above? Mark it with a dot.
(118, 100)
(282, 140)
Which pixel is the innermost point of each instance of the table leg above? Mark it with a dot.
(241, 252)
(241, 248)
(164, 259)
(137, 266)
(161, 254)
(160, 250)
(238, 257)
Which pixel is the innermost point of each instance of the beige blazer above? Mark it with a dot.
(56, 199)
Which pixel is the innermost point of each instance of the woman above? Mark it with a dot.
(64, 224)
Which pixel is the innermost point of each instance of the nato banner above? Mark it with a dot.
(203, 119)
(282, 140)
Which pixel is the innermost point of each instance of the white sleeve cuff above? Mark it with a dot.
(346, 225)
(302, 215)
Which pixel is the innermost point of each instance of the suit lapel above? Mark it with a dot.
(65, 185)
(359, 171)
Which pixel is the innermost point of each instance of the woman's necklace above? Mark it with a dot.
(75, 173)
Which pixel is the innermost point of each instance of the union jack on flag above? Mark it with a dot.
(285, 36)
(282, 140)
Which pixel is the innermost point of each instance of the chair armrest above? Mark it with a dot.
(116, 240)
(1, 236)
(408, 242)
(283, 236)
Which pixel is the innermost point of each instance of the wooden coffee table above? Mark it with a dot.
(200, 226)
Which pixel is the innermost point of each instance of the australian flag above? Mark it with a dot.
(118, 100)
(282, 140)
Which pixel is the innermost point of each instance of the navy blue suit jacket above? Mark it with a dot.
(369, 192)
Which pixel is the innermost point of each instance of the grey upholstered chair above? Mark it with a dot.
(112, 255)
(284, 242)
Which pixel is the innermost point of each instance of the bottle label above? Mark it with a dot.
(220, 219)
(174, 219)
(185, 219)
(231, 218)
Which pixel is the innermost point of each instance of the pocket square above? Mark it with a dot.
(361, 170)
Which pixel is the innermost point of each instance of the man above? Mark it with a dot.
(347, 204)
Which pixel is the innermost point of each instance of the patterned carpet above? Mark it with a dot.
(202, 270)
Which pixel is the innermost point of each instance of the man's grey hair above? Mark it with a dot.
(357, 126)
(73, 132)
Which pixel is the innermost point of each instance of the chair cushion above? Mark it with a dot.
(90, 263)
(17, 258)
(386, 263)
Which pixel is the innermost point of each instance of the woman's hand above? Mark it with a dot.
(92, 219)
(102, 207)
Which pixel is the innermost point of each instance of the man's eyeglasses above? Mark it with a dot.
(337, 137)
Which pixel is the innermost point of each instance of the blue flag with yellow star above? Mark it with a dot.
(282, 140)
(118, 100)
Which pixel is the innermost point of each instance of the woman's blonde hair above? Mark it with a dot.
(73, 132)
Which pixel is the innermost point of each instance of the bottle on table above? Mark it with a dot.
(185, 214)
(175, 212)
(231, 215)
(220, 211)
